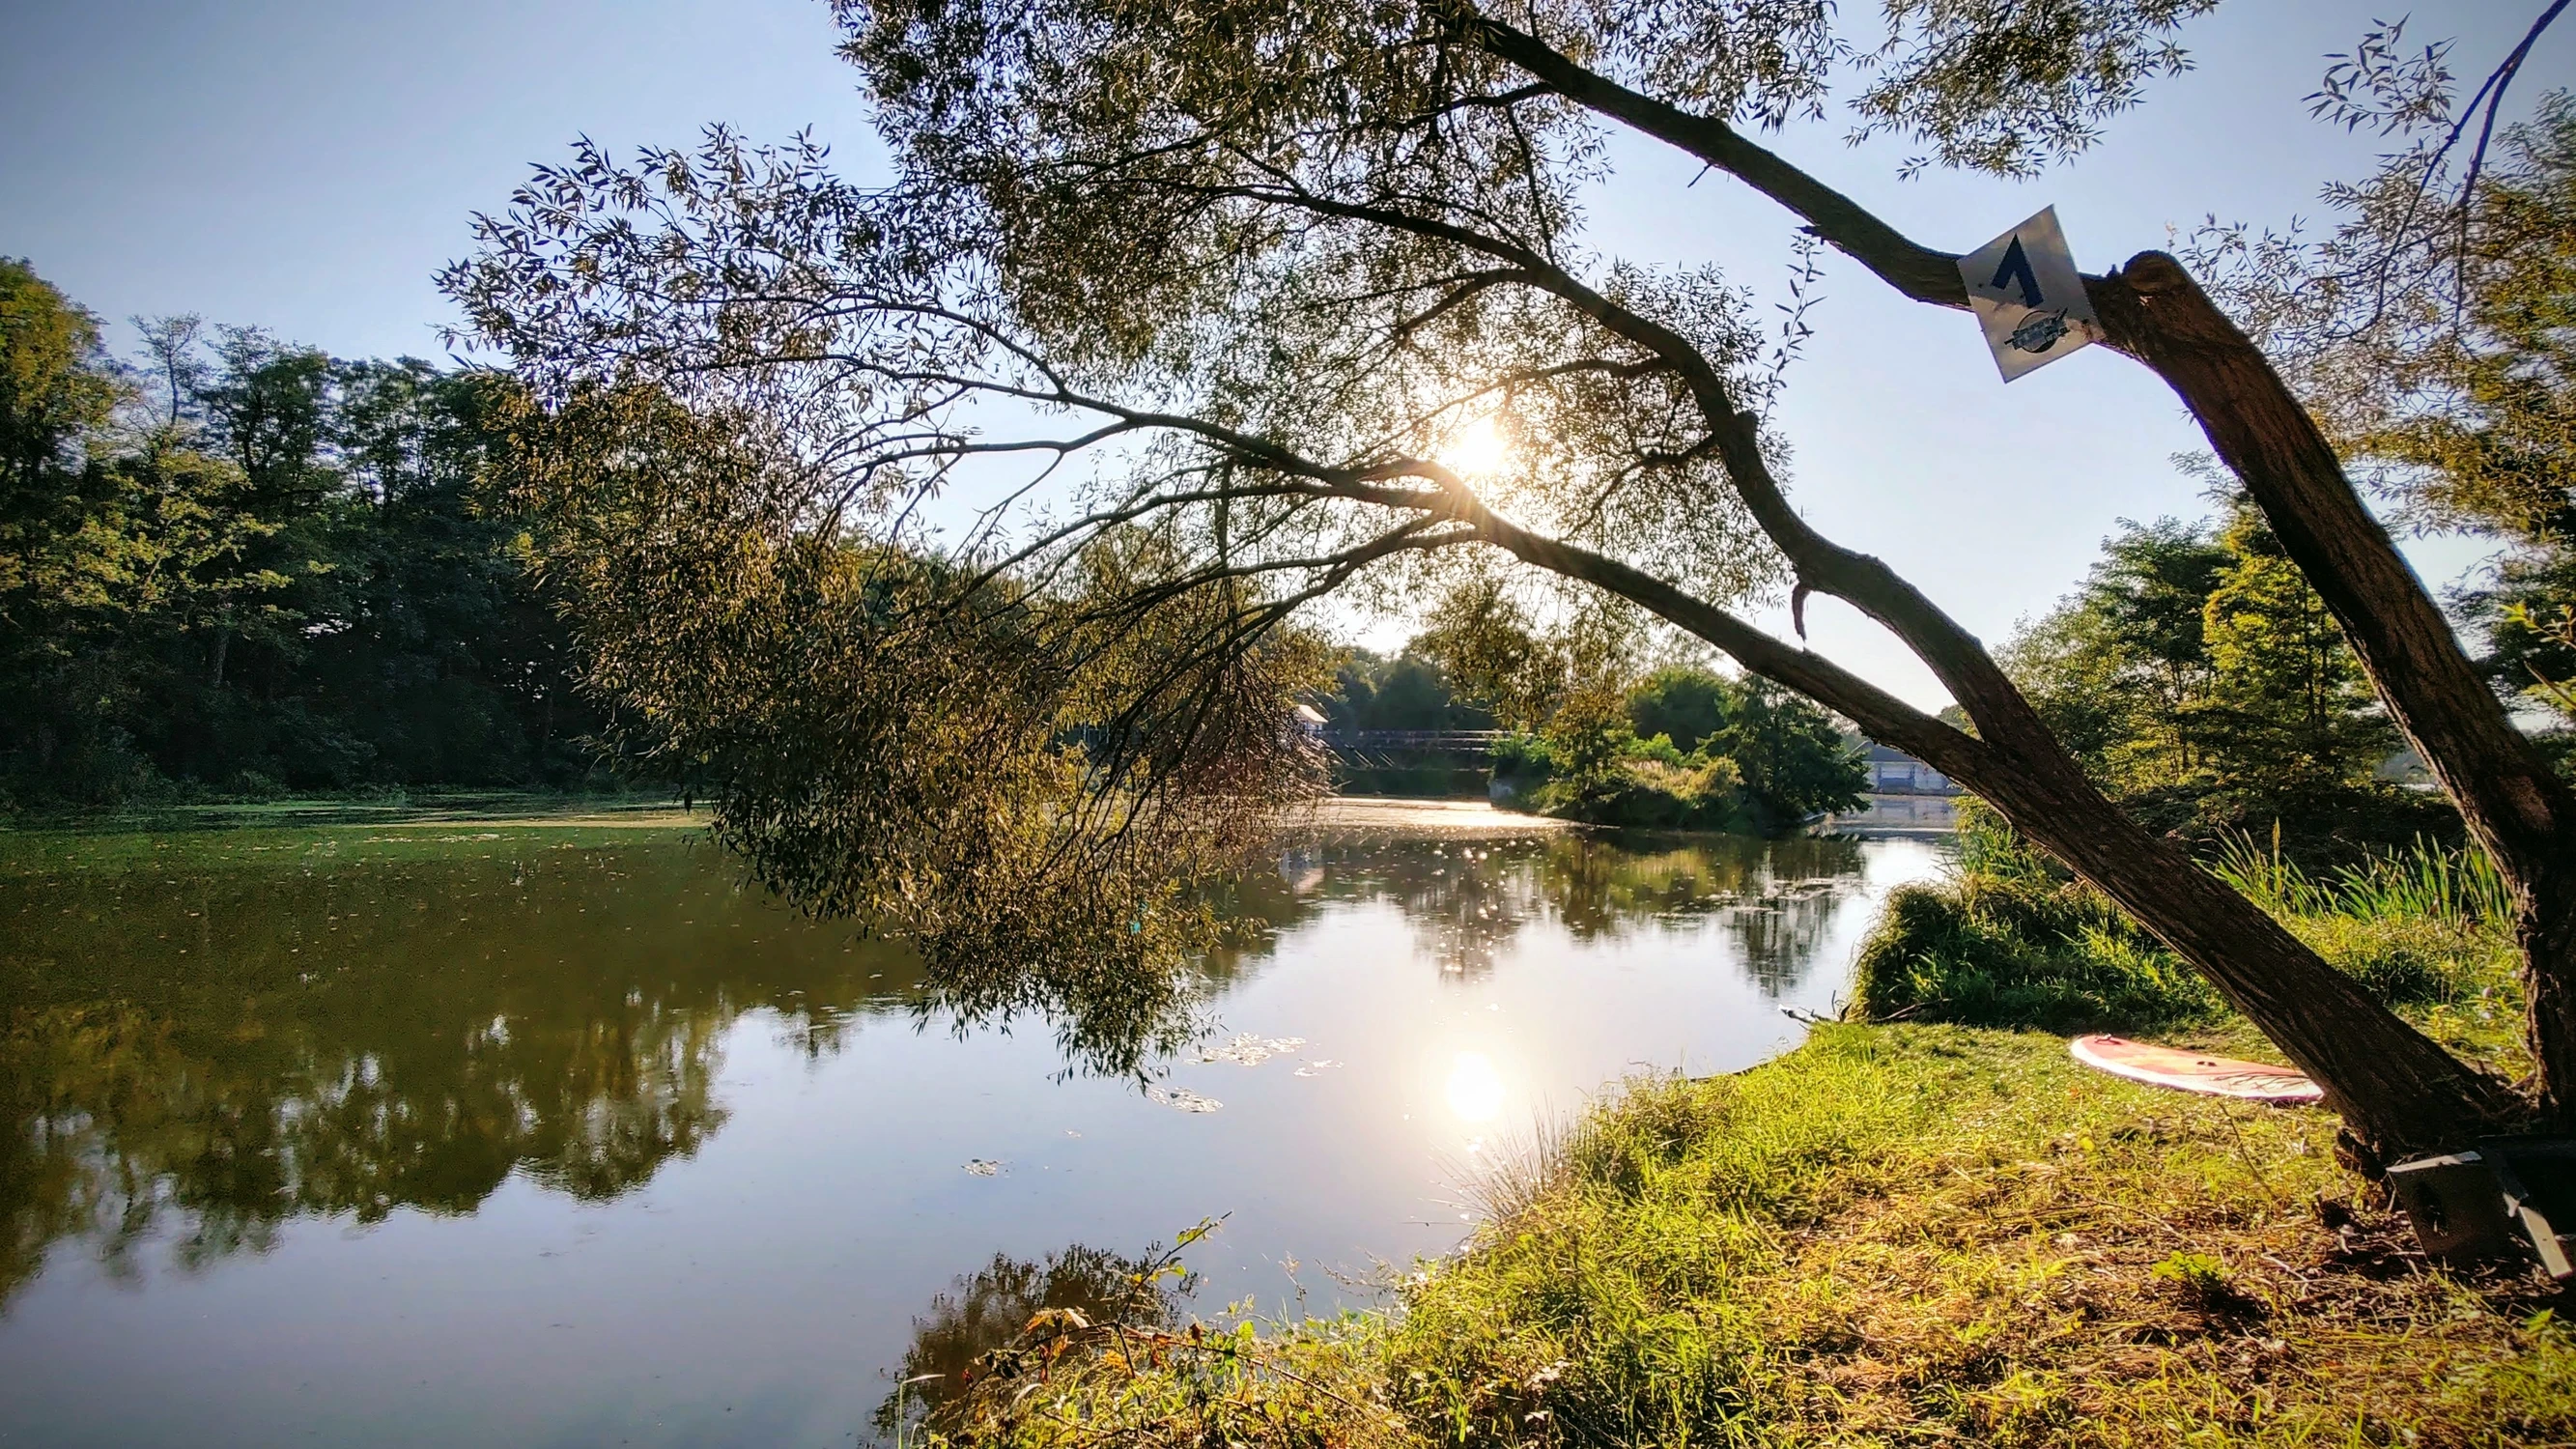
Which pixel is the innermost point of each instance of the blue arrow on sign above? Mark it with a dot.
(2017, 265)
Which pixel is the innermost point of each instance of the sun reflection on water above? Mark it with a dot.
(1475, 1089)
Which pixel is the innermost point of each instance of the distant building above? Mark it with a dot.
(1894, 772)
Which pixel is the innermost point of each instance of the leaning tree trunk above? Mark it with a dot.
(2516, 807)
(2522, 813)
(2395, 1088)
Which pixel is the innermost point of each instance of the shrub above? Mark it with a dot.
(1520, 756)
(1586, 738)
(2012, 939)
(1646, 792)
(1989, 957)
(1658, 748)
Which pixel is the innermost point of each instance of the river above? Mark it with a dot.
(422, 1130)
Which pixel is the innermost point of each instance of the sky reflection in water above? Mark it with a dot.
(518, 1133)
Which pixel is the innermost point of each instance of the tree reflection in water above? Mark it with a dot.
(206, 1046)
(1467, 899)
(966, 1329)
(210, 1035)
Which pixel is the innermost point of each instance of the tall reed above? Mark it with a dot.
(2458, 888)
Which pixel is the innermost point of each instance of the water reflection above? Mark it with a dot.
(208, 1043)
(967, 1330)
(210, 1036)
(1475, 1089)
(1466, 900)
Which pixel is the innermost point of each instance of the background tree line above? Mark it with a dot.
(242, 566)
(1597, 737)
(2432, 333)
(2204, 684)
(239, 566)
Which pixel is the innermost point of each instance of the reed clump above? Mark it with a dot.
(2009, 938)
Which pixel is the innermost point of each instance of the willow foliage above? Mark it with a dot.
(1024, 786)
(1256, 269)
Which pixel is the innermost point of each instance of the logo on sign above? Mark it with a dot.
(2028, 296)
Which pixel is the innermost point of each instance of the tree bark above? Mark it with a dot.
(2395, 1087)
(2515, 805)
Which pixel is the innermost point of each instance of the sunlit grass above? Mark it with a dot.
(2007, 941)
(1906, 1235)
(2460, 889)
(1937, 1234)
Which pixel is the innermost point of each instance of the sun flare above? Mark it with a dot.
(1476, 449)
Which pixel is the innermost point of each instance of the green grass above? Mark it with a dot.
(2456, 888)
(2054, 957)
(1894, 1235)
(2010, 940)
(1940, 1234)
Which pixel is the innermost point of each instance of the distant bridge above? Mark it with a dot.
(1410, 750)
(1479, 741)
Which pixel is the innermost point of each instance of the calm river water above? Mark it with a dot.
(551, 1132)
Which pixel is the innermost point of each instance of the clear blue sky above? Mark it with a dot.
(306, 166)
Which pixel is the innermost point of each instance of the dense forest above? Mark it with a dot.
(236, 566)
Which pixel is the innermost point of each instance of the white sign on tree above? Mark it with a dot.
(2029, 297)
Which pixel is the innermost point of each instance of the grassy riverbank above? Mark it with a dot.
(1899, 1235)
(1914, 1233)
(390, 807)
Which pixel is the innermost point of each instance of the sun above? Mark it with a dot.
(1476, 449)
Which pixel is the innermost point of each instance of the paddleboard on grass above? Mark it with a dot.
(2193, 1071)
